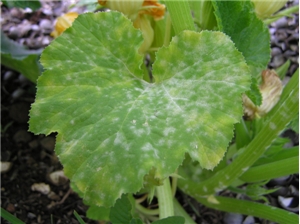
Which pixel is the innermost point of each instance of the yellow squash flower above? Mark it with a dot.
(63, 22)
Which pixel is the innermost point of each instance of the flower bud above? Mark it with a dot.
(63, 22)
(265, 8)
(270, 89)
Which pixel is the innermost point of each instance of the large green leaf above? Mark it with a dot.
(250, 35)
(113, 127)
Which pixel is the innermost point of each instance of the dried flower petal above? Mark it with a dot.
(271, 89)
(63, 22)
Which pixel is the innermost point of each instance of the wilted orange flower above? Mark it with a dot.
(139, 12)
(150, 7)
(154, 9)
(63, 22)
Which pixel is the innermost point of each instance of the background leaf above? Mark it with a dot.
(17, 57)
(250, 35)
(33, 4)
(173, 220)
(121, 212)
(113, 127)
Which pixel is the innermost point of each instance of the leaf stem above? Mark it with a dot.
(174, 184)
(272, 170)
(181, 15)
(146, 211)
(168, 30)
(251, 208)
(286, 12)
(165, 199)
(179, 211)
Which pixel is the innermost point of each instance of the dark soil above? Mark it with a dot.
(32, 158)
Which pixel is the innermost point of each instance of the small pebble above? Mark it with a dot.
(24, 28)
(249, 220)
(282, 22)
(46, 26)
(281, 181)
(48, 143)
(33, 144)
(19, 112)
(22, 136)
(35, 27)
(16, 12)
(288, 203)
(13, 32)
(58, 178)
(46, 41)
(22, 78)
(5, 166)
(276, 51)
(9, 75)
(278, 60)
(41, 187)
(53, 196)
(47, 12)
(233, 218)
(10, 208)
(17, 93)
(30, 215)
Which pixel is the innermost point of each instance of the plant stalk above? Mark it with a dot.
(165, 199)
(179, 211)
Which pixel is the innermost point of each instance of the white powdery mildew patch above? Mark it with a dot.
(245, 169)
(147, 147)
(98, 168)
(169, 130)
(272, 126)
(283, 113)
(129, 35)
(161, 142)
(118, 178)
(119, 139)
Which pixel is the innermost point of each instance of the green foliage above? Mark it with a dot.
(128, 119)
(120, 131)
(9, 217)
(17, 57)
(250, 35)
(79, 219)
(121, 211)
(32, 4)
(98, 213)
(254, 93)
(254, 191)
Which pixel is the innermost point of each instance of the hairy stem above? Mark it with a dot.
(165, 199)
